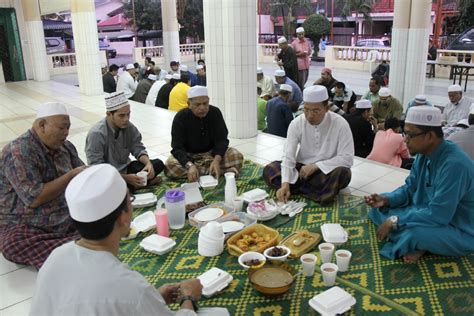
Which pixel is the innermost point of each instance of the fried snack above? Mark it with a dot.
(257, 238)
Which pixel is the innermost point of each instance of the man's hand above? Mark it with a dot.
(376, 200)
(215, 167)
(133, 180)
(283, 193)
(384, 230)
(193, 174)
(170, 293)
(381, 126)
(307, 171)
(74, 172)
(192, 287)
(151, 171)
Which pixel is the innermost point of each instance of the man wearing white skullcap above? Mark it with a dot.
(320, 167)
(418, 100)
(114, 138)
(201, 79)
(458, 106)
(386, 107)
(286, 59)
(268, 87)
(296, 97)
(303, 52)
(279, 114)
(155, 89)
(192, 76)
(465, 138)
(179, 93)
(35, 170)
(127, 82)
(199, 141)
(163, 96)
(363, 127)
(432, 211)
(86, 277)
(143, 88)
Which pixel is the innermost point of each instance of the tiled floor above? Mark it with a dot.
(18, 103)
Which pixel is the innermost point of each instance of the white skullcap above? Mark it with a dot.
(280, 73)
(197, 91)
(286, 87)
(363, 104)
(424, 115)
(471, 110)
(300, 30)
(152, 77)
(464, 122)
(183, 67)
(199, 67)
(115, 101)
(420, 99)
(384, 92)
(168, 77)
(259, 71)
(176, 76)
(129, 66)
(95, 193)
(51, 109)
(315, 93)
(282, 40)
(454, 88)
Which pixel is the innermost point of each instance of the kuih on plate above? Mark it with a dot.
(257, 237)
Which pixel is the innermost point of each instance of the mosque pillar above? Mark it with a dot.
(170, 32)
(86, 42)
(418, 37)
(398, 54)
(231, 62)
(35, 36)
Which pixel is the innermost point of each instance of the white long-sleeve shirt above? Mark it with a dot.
(328, 145)
(153, 93)
(127, 84)
(453, 113)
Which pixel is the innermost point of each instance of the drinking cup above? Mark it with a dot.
(329, 272)
(326, 249)
(343, 258)
(308, 261)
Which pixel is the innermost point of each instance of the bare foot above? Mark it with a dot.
(413, 257)
(234, 170)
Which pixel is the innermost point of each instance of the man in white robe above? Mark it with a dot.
(321, 165)
(458, 106)
(268, 87)
(127, 81)
(155, 88)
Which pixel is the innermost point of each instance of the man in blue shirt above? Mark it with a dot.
(296, 96)
(279, 115)
(434, 210)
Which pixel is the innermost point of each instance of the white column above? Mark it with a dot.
(170, 32)
(418, 36)
(36, 44)
(86, 42)
(398, 55)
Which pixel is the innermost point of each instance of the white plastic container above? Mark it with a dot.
(208, 182)
(214, 280)
(254, 195)
(144, 200)
(334, 234)
(144, 222)
(333, 301)
(230, 190)
(192, 194)
(174, 200)
(157, 244)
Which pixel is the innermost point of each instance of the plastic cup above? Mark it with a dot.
(238, 204)
(161, 216)
(308, 261)
(144, 176)
(343, 257)
(329, 272)
(326, 249)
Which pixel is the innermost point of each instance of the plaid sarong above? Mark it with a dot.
(232, 159)
(320, 187)
(28, 245)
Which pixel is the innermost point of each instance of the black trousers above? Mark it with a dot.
(136, 166)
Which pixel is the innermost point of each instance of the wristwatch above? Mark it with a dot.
(189, 298)
(189, 164)
(394, 220)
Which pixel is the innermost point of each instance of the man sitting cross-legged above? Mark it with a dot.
(433, 210)
(321, 166)
(199, 141)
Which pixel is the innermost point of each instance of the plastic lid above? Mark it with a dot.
(145, 221)
(333, 301)
(334, 233)
(254, 195)
(157, 244)
(208, 181)
(174, 196)
(214, 280)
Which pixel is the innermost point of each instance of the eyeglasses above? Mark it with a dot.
(313, 111)
(409, 136)
(132, 198)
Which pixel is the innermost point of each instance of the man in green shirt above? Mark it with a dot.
(373, 94)
(261, 109)
(386, 107)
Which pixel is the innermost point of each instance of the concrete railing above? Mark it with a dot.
(267, 52)
(60, 64)
(188, 52)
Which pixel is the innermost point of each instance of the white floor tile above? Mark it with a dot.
(19, 309)
(258, 160)
(7, 266)
(373, 169)
(397, 177)
(250, 148)
(17, 286)
(269, 154)
(379, 186)
(359, 180)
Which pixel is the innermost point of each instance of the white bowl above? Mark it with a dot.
(251, 255)
(280, 258)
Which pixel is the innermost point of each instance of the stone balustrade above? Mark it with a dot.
(60, 64)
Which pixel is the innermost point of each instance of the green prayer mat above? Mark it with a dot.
(436, 285)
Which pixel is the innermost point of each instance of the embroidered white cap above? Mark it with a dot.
(363, 104)
(198, 67)
(300, 30)
(176, 76)
(115, 101)
(280, 73)
(197, 91)
(129, 66)
(286, 87)
(51, 109)
(259, 71)
(95, 193)
(282, 40)
(420, 99)
(454, 88)
(183, 67)
(424, 115)
(315, 93)
(384, 92)
(152, 77)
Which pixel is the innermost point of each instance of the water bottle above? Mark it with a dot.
(230, 188)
